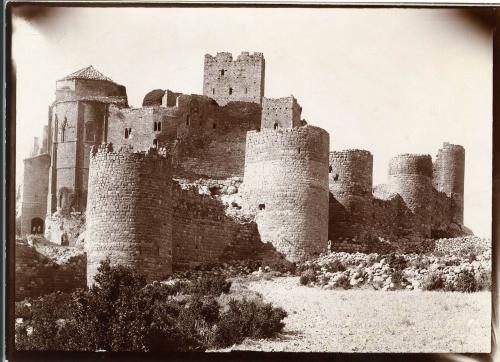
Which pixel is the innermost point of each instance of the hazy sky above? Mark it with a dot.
(386, 80)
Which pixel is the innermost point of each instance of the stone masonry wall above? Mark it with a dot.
(350, 184)
(281, 113)
(205, 140)
(35, 191)
(203, 233)
(227, 80)
(129, 212)
(410, 176)
(448, 177)
(37, 274)
(286, 187)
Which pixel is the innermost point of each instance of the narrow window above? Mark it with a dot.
(330, 169)
(336, 178)
(155, 143)
(129, 131)
(159, 126)
(63, 133)
(213, 91)
(230, 90)
(246, 90)
(262, 206)
(214, 126)
(126, 132)
(222, 72)
(299, 149)
(155, 127)
(276, 127)
(187, 120)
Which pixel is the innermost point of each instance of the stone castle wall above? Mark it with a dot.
(35, 192)
(203, 232)
(37, 274)
(448, 177)
(227, 80)
(205, 140)
(281, 113)
(286, 187)
(129, 213)
(350, 184)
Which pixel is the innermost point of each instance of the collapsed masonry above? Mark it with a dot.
(189, 179)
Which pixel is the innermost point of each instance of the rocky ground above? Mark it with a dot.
(358, 320)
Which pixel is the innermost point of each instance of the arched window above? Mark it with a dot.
(330, 169)
(222, 72)
(187, 120)
(159, 126)
(155, 127)
(276, 125)
(230, 90)
(36, 226)
(299, 150)
(126, 132)
(155, 143)
(63, 130)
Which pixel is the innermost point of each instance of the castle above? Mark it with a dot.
(190, 179)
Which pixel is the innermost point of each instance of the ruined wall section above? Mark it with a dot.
(286, 188)
(35, 192)
(241, 80)
(205, 140)
(129, 213)
(38, 274)
(448, 177)
(350, 184)
(410, 176)
(204, 233)
(281, 113)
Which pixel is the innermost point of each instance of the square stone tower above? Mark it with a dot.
(281, 113)
(226, 80)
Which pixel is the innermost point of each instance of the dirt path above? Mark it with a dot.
(375, 321)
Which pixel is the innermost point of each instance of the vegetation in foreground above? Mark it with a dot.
(121, 312)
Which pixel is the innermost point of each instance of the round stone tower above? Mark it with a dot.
(286, 187)
(350, 183)
(129, 211)
(448, 177)
(410, 176)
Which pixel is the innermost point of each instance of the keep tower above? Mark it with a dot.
(227, 80)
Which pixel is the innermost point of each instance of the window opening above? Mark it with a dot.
(262, 206)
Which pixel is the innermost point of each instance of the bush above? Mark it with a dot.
(343, 282)
(397, 277)
(484, 280)
(307, 277)
(210, 285)
(253, 319)
(282, 265)
(121, 313)
(335, 266)
(397, 262)
(466, 282)
(433, 281)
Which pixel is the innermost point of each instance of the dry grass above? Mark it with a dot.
(375, 321)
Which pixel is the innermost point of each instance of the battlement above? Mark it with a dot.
(105, 150)
(228, 57)
(281, 112)
(227, 80)
(411, 164)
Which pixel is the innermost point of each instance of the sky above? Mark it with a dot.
(386, 80)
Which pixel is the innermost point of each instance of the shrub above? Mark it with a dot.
(210, 285)
(121, 313)
(466, 282)
(397, 262)
(433, 281)
(484, 280)
(397, 277)
(307, 277)
(282, 265)
(335, 266)
(253, 319)
(343, 282)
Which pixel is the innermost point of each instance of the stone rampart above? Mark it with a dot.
(286, 187)
(129, 213)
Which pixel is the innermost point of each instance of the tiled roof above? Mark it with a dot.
(87, 73)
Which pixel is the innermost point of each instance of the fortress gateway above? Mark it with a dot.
(190, 179)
